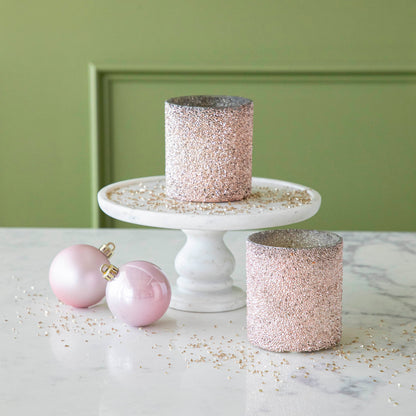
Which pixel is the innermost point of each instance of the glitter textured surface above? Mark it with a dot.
(294, 290)
(151, 196)
(208, 141)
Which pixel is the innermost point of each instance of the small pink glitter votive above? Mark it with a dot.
(294, 290)
(208, 143)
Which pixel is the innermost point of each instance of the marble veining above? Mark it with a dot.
(60, 360)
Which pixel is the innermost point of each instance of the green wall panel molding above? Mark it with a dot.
(337, 130)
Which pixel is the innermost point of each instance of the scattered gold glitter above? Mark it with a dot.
(152, 197)
(388, 344)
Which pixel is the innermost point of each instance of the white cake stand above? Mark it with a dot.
(205, 263)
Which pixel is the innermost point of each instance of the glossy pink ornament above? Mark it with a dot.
(138, 293)
(74, 274)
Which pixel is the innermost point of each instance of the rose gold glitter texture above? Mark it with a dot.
(208, 143)
(294, 290)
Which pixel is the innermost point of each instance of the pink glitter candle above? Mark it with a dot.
(208, 148)
(294, 290)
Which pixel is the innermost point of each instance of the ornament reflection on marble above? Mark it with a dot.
(138, 293)
(74, 274)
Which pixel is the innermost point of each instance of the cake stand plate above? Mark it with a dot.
(205, 263)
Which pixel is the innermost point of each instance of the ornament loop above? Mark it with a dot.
(109, 271)
(108, 249)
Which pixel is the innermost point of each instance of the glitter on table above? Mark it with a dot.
(152, 197)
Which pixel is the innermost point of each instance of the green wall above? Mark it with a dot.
(82, 85)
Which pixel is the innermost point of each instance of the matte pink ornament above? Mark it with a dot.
(74, 274)
(138, 293)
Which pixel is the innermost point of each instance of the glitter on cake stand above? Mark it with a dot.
(205, 263)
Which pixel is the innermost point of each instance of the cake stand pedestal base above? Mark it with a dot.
(204, 265)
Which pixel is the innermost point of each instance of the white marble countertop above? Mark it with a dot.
(57, 360)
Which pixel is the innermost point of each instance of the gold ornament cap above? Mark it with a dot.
(109, 271)
(108, 249)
